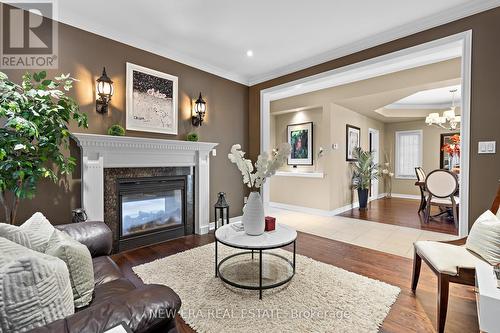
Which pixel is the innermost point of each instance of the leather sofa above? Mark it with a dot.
(145, 308)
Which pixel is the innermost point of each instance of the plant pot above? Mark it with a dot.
(253, 215)
(363, 198)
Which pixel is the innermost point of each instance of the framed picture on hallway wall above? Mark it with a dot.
(300, 138)
(353, 141)
(151, 100)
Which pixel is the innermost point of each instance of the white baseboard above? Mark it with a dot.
(380, 196)
(320, 212)
(211, 225)
(406, 196)
(301, 209)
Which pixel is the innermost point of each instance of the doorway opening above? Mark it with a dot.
(277, 104)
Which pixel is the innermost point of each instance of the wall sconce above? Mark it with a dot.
(104, 92)
(200, 107)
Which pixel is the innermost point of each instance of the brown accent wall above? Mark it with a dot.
(83, 54)
(484, 169)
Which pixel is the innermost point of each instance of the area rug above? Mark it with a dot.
(319, 298)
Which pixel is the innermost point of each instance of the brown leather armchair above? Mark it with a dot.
(147, 308)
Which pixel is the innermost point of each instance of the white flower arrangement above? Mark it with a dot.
(265, 167)
(387, 174)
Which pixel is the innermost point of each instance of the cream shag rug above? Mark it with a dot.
(319, 298)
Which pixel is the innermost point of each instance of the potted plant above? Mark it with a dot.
(116, 130)
(364, 170)
(254, 178)
(35, 118)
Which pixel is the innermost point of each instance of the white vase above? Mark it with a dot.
(253, 215)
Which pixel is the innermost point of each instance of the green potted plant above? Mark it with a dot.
(193, 136)
(364, 170)
(34, 133)
(116, 130)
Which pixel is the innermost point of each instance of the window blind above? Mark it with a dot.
(408, 153)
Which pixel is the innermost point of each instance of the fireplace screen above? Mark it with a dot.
(143, 212)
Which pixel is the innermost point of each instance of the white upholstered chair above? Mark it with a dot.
(441, 186)
(451, 262)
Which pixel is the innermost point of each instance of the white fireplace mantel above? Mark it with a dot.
(105, 151)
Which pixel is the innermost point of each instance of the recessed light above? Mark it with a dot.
(249, 53)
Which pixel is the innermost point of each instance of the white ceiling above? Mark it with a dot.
(438, 98)
(284, 35)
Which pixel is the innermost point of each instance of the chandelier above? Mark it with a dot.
(449, 120)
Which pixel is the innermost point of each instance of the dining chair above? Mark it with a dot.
(420, 181)
(451, 262)
(441, 186)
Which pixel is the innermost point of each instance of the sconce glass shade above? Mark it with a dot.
(200, 106)
(199, 109)
(105, 90)
(105, 85)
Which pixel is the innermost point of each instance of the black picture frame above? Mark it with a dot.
(348, 149)
(309, 126)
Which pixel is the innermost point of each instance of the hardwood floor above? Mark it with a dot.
(410, 313)
(402, 212)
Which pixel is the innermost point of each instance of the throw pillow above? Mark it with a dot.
(79, 261)
(39, 230)
(15, 234)
(34, 288)
(484, 238)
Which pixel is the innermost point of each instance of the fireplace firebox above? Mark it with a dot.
(151, 210)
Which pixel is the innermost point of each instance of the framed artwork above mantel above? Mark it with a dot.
(151, 100)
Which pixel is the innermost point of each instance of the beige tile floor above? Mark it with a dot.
(377, 236)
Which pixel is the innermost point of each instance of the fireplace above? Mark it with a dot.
(151, 209)
(144, 206)
(107, 158)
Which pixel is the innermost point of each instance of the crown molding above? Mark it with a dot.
(159, 49)
(456, 13)
(423, 106)
(453, 14)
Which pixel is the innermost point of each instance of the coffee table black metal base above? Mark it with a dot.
(260, 287)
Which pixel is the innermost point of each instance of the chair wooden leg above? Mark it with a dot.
(442, 301)
(455, 214)
(428, 210)
(417, 263)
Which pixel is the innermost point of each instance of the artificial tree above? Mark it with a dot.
(34, 118)
(364, 170)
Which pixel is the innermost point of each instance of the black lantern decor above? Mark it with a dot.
(104, 92)
(200, 107)
(221, 209)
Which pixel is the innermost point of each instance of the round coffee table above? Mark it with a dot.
(241, 270)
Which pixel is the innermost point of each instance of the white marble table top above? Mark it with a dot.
(281, 236)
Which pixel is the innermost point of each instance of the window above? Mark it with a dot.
(408, 153)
